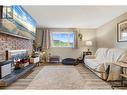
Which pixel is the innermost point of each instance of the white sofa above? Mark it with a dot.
(102, 63)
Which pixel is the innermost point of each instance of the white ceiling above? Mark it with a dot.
(74, 16)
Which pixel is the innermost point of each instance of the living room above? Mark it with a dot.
(90, 32)
(48, 48)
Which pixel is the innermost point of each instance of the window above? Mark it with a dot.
(62, 39)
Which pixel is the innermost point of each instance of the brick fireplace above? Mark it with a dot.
(8, 42)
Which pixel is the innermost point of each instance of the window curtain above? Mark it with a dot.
(75, 38)
(45, 39)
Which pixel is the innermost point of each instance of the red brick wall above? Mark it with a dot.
(12, 43)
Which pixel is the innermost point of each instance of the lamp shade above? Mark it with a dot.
(88, 43)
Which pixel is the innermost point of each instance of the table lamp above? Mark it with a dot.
(88, 44)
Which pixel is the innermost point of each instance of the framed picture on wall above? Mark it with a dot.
(122, 31)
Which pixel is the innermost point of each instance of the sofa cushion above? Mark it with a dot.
(109, 56)
(93, 63)
(123, 58)
(114, 54)
(101, 53)
(117, 54)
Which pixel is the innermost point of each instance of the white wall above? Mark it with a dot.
(88, 34)
(107, 34)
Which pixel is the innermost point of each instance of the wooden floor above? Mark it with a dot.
(91, 79)
(24, 81)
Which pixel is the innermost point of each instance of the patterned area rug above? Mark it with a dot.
(58, 77)
(91, 80)
(66, 77)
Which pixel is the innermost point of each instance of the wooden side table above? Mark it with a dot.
(123, 71)
(88, 53)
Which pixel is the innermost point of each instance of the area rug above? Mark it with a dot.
(57, 77)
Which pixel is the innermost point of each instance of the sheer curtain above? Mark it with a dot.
(45, 39)
(75, 38)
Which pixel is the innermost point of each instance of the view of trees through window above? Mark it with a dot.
(62, 39)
